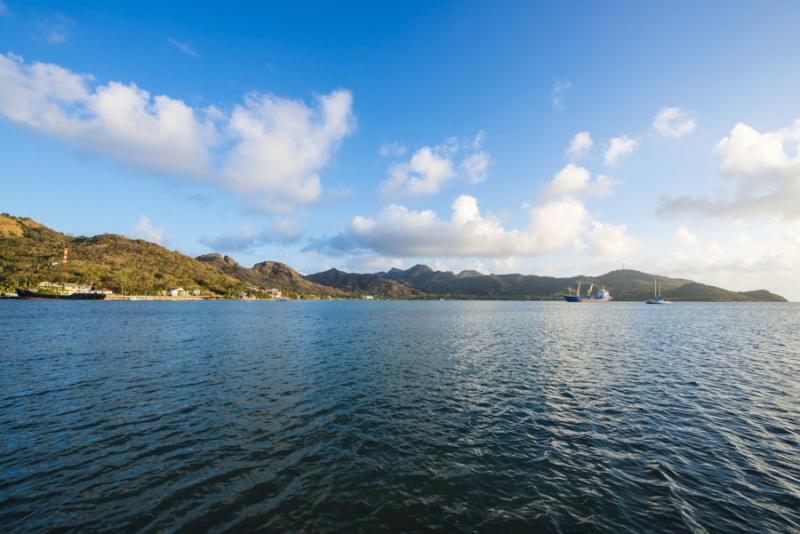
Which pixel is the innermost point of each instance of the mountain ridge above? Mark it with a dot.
(624, 284)
(31, 253)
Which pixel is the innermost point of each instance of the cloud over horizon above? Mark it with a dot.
(764, 170)
(558, 221)
(145, 229)
(283, 231)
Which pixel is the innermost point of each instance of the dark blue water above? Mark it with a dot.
(378, 416)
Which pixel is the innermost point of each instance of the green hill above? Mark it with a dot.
(624, 284)
(31, 253)
(270, 274)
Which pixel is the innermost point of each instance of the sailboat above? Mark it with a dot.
(657, 298)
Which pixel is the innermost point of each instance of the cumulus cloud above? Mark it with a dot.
(283, 231)
(183, 46)
(580, 144)
(431, 168)
(674, 122)
(575, 181)
(280, 145)
(392, 149)
(764, 254)
(476, 167)
(764, 169)
(398, 231)
(685, 236)
(557, 94)
(610, 240)
(557, 221)
(424, 174)
(144, 229)
(269, 149)
(619, 147)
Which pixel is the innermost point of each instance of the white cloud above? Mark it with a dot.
(557, 94)
(685, 236)
(610, 240)
(392, 149)
(55, 28)
(575, 181)
(764, 167)
(424, 174)
(476, 167)
(269, 149)
(750, 155)
(674, 122)
(764, 256)
(281, 144)
(398, 231)
(556, 222)
(183, 46)
(580, 144)
(144, 229)
(371, 263)
(431, 168)
(619, 147)
(282, 231)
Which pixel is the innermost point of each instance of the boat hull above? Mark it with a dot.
(575, 298)
(33, 295)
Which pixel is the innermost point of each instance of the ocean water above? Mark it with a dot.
(386, 416)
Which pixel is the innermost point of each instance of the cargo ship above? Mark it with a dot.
(84, 295)
(602, 295)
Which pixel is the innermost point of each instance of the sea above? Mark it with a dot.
(399, 416)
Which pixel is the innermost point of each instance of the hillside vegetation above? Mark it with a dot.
(624, 284)
(365, 284)
(270, 274)
(31, 253)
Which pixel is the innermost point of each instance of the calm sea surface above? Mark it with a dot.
(379, 416)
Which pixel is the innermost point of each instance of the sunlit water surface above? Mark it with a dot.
(378, 416)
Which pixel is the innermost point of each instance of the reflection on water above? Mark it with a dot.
(399, 415)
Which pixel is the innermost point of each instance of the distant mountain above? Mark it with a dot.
(269, 274)
(624, 284)
(364, 284)
(31, 253)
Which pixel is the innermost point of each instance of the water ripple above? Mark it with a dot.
(386, 416)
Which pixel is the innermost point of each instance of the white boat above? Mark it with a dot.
(657, 298)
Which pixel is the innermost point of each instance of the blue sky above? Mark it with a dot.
(257, 130)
